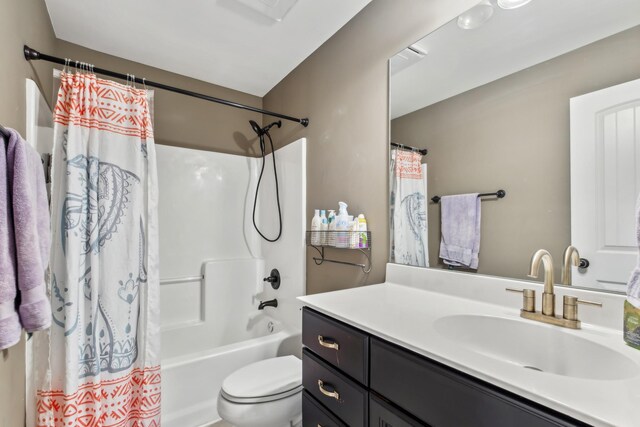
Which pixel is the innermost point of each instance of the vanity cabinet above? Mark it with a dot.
(356, 379)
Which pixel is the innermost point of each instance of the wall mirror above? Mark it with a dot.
(540, 98)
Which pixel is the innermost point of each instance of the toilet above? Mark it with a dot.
(267, 393)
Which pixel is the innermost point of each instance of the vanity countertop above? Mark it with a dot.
(406, 314)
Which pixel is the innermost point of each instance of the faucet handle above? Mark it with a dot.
(570, 306)
(528, 298)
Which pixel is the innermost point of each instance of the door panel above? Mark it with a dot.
(605, 182)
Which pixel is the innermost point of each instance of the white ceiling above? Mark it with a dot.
(223, 42)
(512, 40)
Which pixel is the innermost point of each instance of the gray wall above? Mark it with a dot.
(514, 134)
(342, 88)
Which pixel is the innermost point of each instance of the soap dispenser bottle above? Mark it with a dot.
(342, 226)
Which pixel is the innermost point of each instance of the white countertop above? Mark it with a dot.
(405, 313)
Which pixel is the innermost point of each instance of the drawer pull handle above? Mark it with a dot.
(328, 344)
(326, 392)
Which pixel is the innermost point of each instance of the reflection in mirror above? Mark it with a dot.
(39, 127)
(542, 101)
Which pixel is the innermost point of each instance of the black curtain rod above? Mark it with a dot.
(33, 55)
(499, 194)
(422, 151)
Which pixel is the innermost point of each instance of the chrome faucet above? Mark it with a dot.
(569, 317)
(571, 256)
(548, 295)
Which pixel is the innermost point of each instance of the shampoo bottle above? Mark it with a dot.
(331, 235)
(324, 227)
(316, 225)
(362, 228)
(354, 236)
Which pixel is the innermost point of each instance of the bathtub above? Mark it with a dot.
(190, 384)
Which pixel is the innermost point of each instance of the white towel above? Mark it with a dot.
(460, 224)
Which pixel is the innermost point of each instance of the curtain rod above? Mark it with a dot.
(499, 194)
(422, 151)
(34, 55)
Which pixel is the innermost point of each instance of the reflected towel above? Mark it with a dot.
(25, 177)
(633, 287)
(9, 322)
(460, 224)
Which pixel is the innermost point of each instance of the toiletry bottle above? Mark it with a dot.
(342, 226)
(354, 236)
(331, 234)
(362, 228)
(316, 225)
(324, 227)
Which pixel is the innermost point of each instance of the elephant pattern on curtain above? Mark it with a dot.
(102, 352)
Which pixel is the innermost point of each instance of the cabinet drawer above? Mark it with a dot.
(342, 346)
(342, 396)
(383, 414)
(315, 415)
(441, 396)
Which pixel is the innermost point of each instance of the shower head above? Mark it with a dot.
(255, 127)
(261, 131)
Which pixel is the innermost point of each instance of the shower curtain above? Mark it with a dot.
(408, 209)
(99, 363)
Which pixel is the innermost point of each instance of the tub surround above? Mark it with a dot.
(405, 311)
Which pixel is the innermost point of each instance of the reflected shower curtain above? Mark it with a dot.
(408, 216)
(99, 363)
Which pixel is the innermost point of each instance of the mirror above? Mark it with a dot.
(542, 101)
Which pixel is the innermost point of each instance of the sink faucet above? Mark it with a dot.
(548, 295)
(270, 303)
(571, 256)
(569, 317)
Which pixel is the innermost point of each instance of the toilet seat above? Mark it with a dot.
(264, 381)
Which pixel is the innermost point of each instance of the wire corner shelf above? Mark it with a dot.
(353, 240)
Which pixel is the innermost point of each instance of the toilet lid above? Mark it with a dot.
(266, 380)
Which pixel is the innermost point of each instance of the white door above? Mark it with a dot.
(605, 181)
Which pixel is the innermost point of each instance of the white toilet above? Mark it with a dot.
(267, 393)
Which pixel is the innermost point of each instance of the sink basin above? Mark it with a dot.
(541, 347)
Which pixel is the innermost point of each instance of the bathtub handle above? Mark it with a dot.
(328, 344)
(326, 392)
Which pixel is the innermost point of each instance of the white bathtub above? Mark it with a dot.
(212, 326)
(190, 384)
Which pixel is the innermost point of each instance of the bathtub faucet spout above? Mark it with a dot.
(270, 303)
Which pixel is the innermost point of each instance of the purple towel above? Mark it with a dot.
(31, 231)
(9, 322)
(460, 224)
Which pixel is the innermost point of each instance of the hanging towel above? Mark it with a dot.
(25, 178)
(460, 223)
(9, 321)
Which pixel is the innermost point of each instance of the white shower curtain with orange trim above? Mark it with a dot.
(99, 365)
(408, 216)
